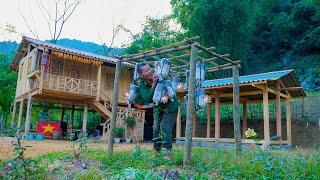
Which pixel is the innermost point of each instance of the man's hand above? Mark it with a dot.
(141, 107)
(180, 87)
(154, 81)
(165, 99)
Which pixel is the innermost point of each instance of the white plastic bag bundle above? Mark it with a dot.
(159, 92)
(200, 72)
(162, 68)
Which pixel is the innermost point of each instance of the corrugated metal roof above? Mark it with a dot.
(247, 79)
(26, 40)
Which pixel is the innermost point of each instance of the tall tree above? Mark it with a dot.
(225, 24)
(55, 13)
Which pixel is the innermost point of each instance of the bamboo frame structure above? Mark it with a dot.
(184, 49)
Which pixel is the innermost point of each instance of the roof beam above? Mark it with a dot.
(153, 53)
(269, 90)
(215, 54)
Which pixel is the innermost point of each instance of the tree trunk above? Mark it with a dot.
(236, 108)
(190, 108)
(114, 105)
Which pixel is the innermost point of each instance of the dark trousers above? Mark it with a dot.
(162, 129)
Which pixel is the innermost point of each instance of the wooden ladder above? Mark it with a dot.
(103, 106)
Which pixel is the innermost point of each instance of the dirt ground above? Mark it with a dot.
(34, 148)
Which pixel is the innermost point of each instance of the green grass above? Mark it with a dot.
(206, 164)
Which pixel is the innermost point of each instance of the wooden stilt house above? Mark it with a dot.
(58, 75)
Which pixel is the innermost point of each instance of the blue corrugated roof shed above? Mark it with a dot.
(246, 79)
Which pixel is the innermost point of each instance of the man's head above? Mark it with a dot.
(145, 71)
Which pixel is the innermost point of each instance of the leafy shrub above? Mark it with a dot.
(130, 121)
(119, 131)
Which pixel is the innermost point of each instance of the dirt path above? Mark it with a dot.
(40, 147)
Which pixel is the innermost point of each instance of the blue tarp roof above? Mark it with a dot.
(247, 79)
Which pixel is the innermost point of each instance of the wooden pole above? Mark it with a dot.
(114, 105)
(178, 127)
(217, 118)
(245, 118)
(190, 107)
(208, 120)
(85, 118)
(266, 126)
(28, 114)
(62, 114)
(99, 82)
(194, 124)
(288, 119)
(236, 108)
(13, 120)
(20, 114)
(278, 111)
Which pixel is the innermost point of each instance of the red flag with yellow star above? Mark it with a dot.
(47, 128)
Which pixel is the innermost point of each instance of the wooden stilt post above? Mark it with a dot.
(236, 107)
(190, 107)
(217, 118)
(288, 119)
(208, 120)
(20, 114)
(266, 125)
(85, 118)
(114, 105)
(178, 126)
(13, 120)
(278, 111)
(72, 116)
(245, 118)
(61, 121)
(28, 114)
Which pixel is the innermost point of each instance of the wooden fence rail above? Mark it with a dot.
(69, 84)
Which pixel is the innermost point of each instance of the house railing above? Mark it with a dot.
(123, 112)
(68, 84)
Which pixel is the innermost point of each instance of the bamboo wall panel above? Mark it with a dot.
(24, 69)
(107, 81)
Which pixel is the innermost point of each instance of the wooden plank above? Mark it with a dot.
(217, 118)
(288, 120)
(20, 114)
(115, 97)
(266, 123)
(85, 118)
(190, 107)
(178, 126)
(278, 110)
(236, 108)
(208, 120)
